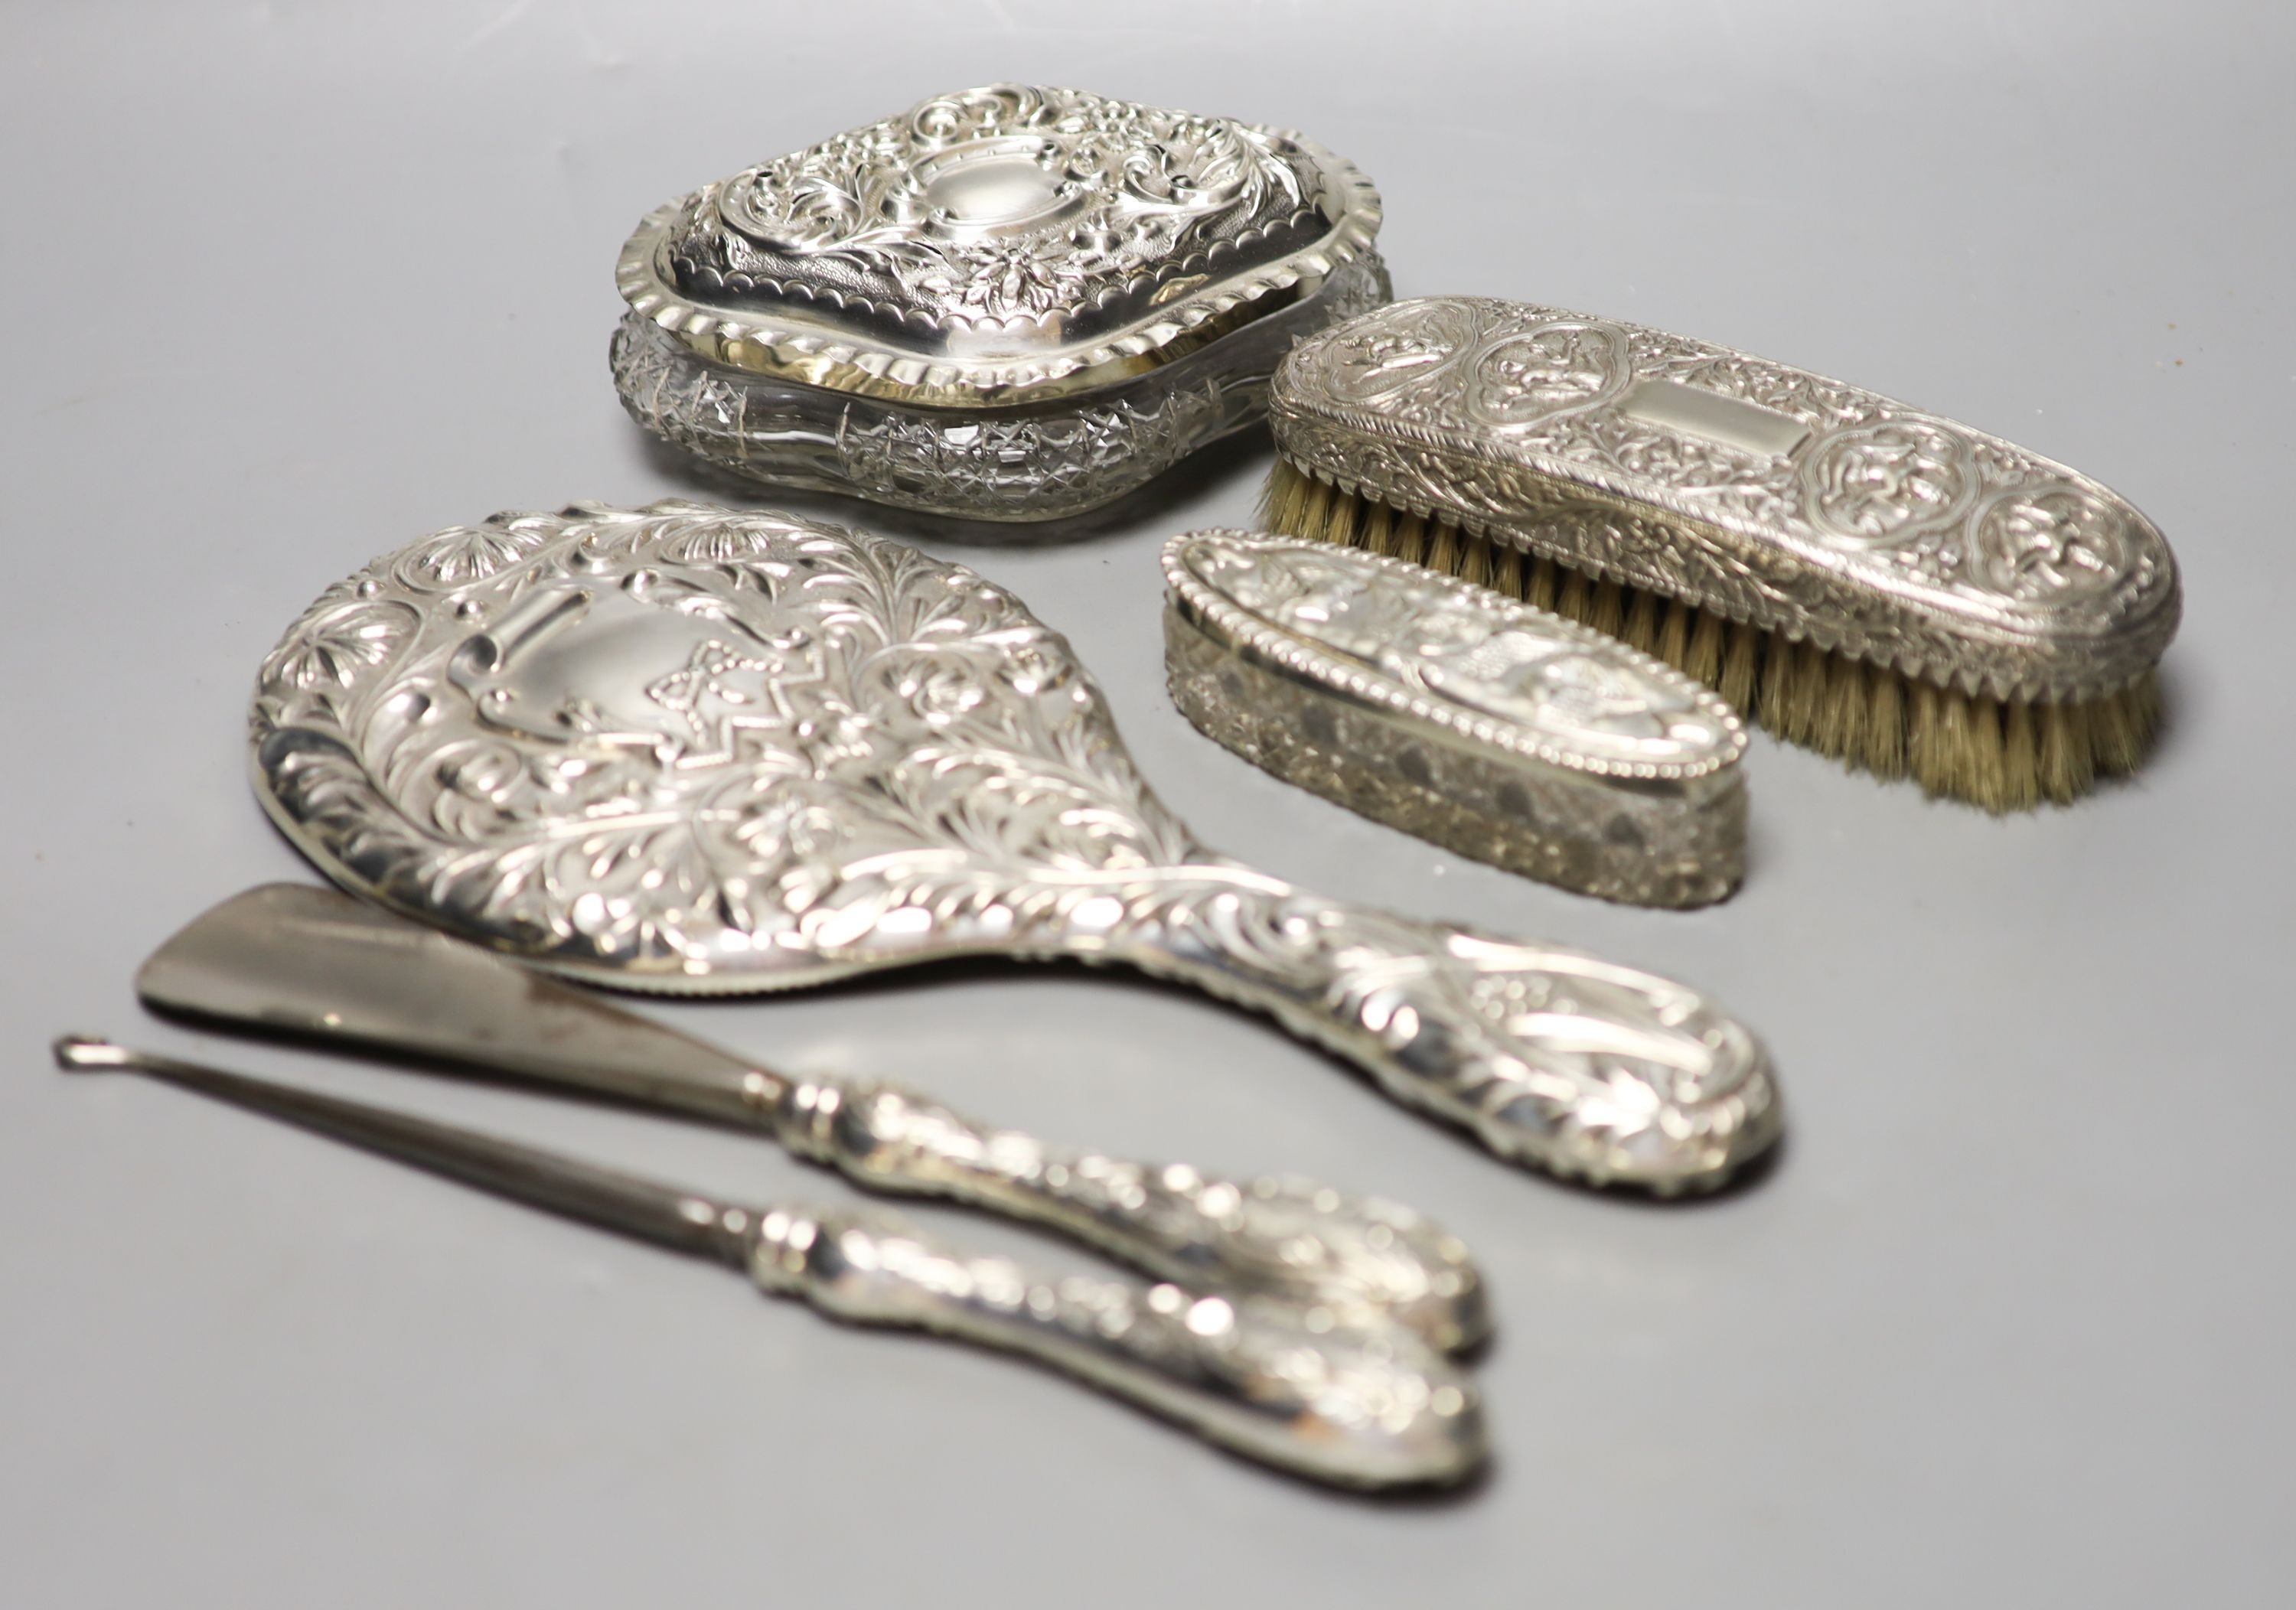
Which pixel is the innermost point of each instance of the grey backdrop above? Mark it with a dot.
(289, 285)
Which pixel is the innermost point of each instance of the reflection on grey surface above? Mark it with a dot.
(2008, 1324)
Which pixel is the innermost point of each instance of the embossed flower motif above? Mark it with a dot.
(1098, 248)
(1117, 242)
(462, 554)
(1390, 352)
(340, 648)
(638, 891)
(721, 541)
(1372, 623)
(2052, 546)
(1262, 581)
(778, 824)
(602, 537)
(1531, 677)
(480, 783)
(941, 688)
(811, 211)
(1885, 480)
(999, 278)
(1531, 376)
(945, 118)
(768, 827)
(786, 843)
(1197, 164)
(831, 733)
(1028, 670)
(1590, 693)
(1327, 602)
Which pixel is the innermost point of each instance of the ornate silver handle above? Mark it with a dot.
(292, 957)
(1361, 1259)
(1364, 1408)
(1369, 1407)
(1551, 1056)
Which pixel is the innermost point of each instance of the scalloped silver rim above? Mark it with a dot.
(790, 340)
(1260, 637)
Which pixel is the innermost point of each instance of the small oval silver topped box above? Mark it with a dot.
(1010, 303)
(1440, 708)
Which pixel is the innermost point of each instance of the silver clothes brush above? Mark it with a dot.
(1884, 585)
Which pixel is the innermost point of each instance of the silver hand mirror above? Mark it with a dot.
(685, 749)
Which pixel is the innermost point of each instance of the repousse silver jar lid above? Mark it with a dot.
(1007, 303)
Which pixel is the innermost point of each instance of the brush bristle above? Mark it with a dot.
(2005, 754)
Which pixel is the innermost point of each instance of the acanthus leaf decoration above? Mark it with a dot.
(695, 751)
(1665, 463)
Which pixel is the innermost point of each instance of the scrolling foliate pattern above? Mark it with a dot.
(1520, 413)
(1009, 201)
(634, 734)
(684, 748)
